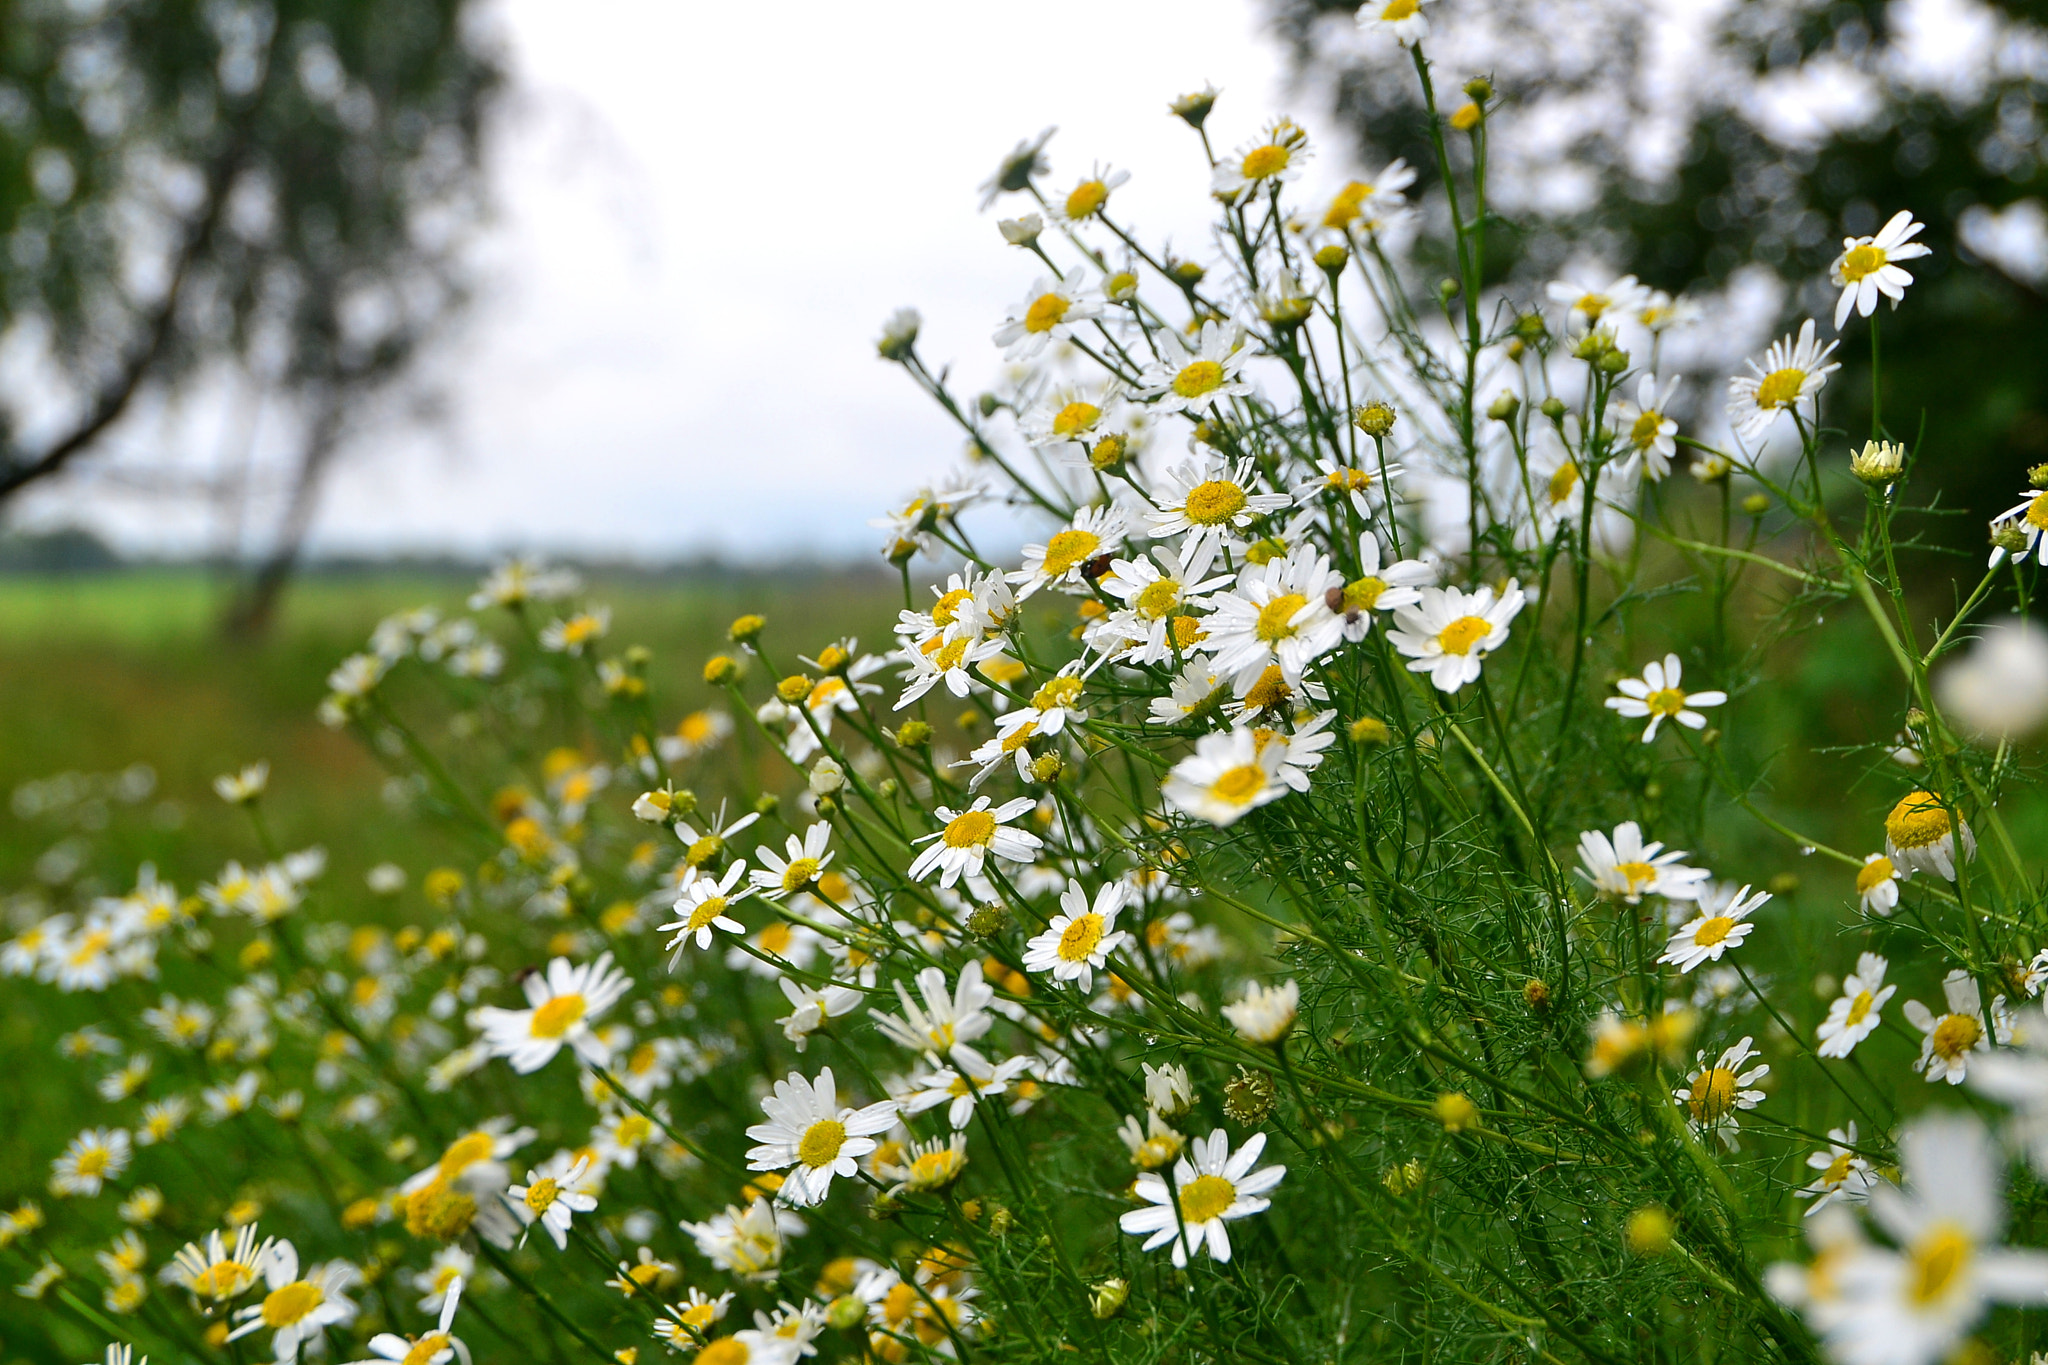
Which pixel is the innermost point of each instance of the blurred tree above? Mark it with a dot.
(278, 190)
(1681, 141)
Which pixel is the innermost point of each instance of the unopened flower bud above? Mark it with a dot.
(913, 734)
(988, 920)
(746, 629)
(1447, 289)
(1021, 231)
(1553, 408)
(899, 334)
(846, 1312)
(1613, 361)
(1375, 418)
(1046, 768)
(827, 777)
(1370, 730)
(1649, 1231)
(2009, 536)
(1504, 407)
(1756, 504)
(1466, 117)
(1193, 109)
(1187, 272)
(988, 405)
(767, 803)
(1879, 463)
(1536, 994)
(1479, 88)
(1333, 258)
(1456, 1112)
(1531, 327)
(721, 669)
(1106, 1299)
(1784, 884)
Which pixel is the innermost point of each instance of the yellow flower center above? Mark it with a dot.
(1917, 821)
(704, 850)
(1075, 418)
(1269, 692)
(934, 1169)
(1462, 634)
(1665, 701)
(1939, 1259)
(799, 874)
(1069, 550)
(558, 1015)
(1859, 1009)
(825, 693)
(1087, 199)
(1955, 1035)
(1019, 737)
(93, 1161)
(1158, 598)
(223, 1279)
(1274, 623)
(951, 654)
(710, 910)
(1713, 932)
(946, 610)
(1107, 453)
(724, 1351)
(1061, 691)
(1239, 785)
(1262, 163)
(1639, 874)
(1563, 482)
(1156, 1151)
(1874, 874)
(1045, 313)
(1214, 503)
(1205, 1197)
(426, 1348)
(776, 936)
(283, 1307)
(633, 1130)
(699, 1315)
(1780, 388)
(542, 1193)
(1078, 939)
(1187, 632)
(2037, 511)
(1643, 434)
(970, 829)
(1713, 1095)
(1860, 261)
(1592, 305)
(821, 1143)
(581, 630)
(1203, 376)
(1838, 1169)
(1345, 207)
(471, 1148)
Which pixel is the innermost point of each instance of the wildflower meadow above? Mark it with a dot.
(1349, 888)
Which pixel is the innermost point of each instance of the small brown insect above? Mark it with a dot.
(1095, 568)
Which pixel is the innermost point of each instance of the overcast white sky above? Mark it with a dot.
(707, 210)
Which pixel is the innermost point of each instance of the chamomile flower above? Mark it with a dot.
(701, 908)
(1919, 836)
(749, 1242)
(1644, 430)
(2030, 518)
(1842, 1175)
(1212, 1186)
(1402, 18)
(1086, 199)
(434, 1348)
(1657, 694)
(971, 836)
(697, 733)
(1073, 416)
(1207, 501)
(451, 1265)
(1877, 885)
(1016, 171)
(1715, 1095)
(551, 1196)
(1868, 266)
(1364, 204)
(1854, 1015)
(1722, 924)
(811, 1137)
(1049, 312)
(1588, 305)
(241, 788)
(941, 1018)
(1280, 615)
(564, 1001)
(1949, 1040)
(1450, 631)
(1794, 370)
(1077, 942)
(812, 1007)
(298, 1308)
(960, 1087)
(1157, 622)
(1153, 1143)
(576, 634)
(1093, 532)
(1228, 775)
(1265, 163)
(779, 877)
(1195, 379)
(223, 1268)
(93, 1158)
(1627, 867)
(1265, 1014)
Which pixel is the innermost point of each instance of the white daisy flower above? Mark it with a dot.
(702, 908)
(1854, 1015)
(1195, 379)
(1914, 1304)
(297, 1310)
(1657, 695)
(1722, 924)
(963, 847)
(1073, 415)
(1402, 18)
(812, 1007)
(435, 1348)
(1158, 621)
(1094, 531)
(93, 1158)
(1265, 1014)
(1279, 615)
(1365, 204)
(1227, 775)
(1153, 1143)
(1047, 314)
(1588, 305)
(1843, 1177)
(1196, 690)
(1207, 500)
(2031, 518)
(1211, 1187)
(1364, 488)
(575, 634)
(1627, 867)
(1267, 162)
(1450, 631)
(1078, 941)
(551, 1196)
(1379, 587)
(1919, 836)
(702, 847)
(1087, 198)
(1868, 266)
(1950, 1039)
(564, 1001)
(1646, 432)
(1877, 885)
(450, 1266)
(942, 660)
(747, 1242)
(809, 1135)
(1793, 371)
(1714, 1095)
(779, 877)
(963, 1085)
